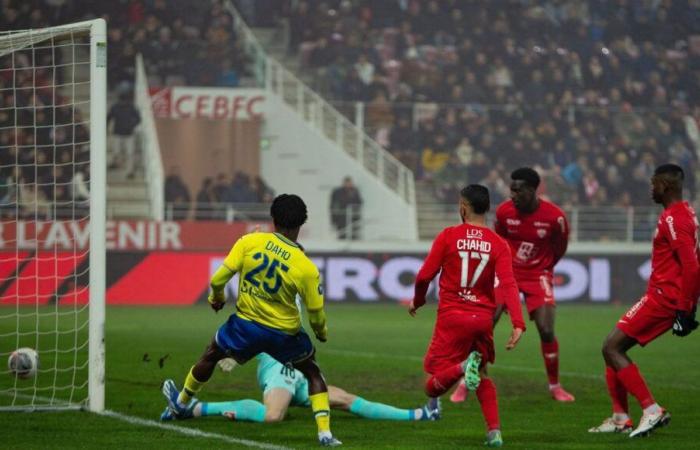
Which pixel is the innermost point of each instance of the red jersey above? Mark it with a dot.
(470, 257)
(537, 240)
(674, 258)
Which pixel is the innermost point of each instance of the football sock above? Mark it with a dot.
(192, 386)
(380, 411)
(441, 382)
(550, 353)
(617, 391)
(322, 412)
(486, 393)
(247, 410)
(635, 385)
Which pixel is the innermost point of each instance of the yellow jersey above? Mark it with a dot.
(273, 270)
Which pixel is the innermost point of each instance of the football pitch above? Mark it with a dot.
(374, 351)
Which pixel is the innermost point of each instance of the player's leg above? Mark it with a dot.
(318, 397)
(182, 402)
(341, 399)
(543, 316)
(488, 400)
(643, 323)
(245, 410)
(277, 401)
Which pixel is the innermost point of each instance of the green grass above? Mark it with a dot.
(374, 351)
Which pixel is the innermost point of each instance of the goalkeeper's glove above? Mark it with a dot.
(216, 300)
(684, 323)
(227, 364)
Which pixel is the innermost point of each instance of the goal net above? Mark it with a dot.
(52, 214)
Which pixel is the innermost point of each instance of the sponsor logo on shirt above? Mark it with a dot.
(541, 232)
(637, 306)
(537, 223)
(525, 251)
(513, 221)
(475, 233)
(671, 229)
(562, 223)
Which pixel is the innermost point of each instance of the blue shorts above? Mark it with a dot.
(275, 375)
(243, 339)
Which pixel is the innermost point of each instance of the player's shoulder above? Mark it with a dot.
(550, 207)
(679, 214)
(506, 207)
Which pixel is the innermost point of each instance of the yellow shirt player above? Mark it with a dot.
(273, 270)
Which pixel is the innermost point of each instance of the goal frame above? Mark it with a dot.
(97, 29)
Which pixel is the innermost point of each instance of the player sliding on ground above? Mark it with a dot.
(284, 386)
(273, 270)
(669, 303)
(469, 258)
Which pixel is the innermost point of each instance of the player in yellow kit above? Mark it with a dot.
(273, 270)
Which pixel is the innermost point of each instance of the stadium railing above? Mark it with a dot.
(323, 117)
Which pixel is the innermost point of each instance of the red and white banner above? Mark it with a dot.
(126, 235)
(208, 103)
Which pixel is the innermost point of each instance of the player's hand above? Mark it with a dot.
(514, 338)
(227, 364)
(684, 323)
(412, 308)
(216, 300)
(322, 335)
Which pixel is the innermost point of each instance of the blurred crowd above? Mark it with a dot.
(593, 93)
(224, 197)
(171, 35)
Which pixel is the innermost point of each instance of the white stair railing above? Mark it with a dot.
(323, 117)
(150, 147)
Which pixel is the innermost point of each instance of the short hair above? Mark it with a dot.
(477, 196)
(674, 170)
(528, 175)
(288, 211)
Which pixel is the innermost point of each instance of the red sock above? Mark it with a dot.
(441, 382)
(635, 385)
(550, 353)
(486, 393)
(617, 391)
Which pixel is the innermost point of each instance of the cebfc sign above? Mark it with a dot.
(208, 103)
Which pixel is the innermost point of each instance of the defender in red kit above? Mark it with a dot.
(538, 234)
(669, 303)
(470, 257)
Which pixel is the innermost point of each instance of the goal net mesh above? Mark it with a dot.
(45, 214)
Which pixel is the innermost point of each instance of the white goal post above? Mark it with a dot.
(53, 122)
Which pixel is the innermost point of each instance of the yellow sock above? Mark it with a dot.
(192, 386)
(322, 411)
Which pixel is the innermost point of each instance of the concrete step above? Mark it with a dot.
(125, 209)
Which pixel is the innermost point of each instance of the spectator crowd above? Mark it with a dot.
(593, 93)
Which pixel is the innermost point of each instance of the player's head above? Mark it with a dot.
(667, 183)
(474, 201)
(288, 212)
(523, 188)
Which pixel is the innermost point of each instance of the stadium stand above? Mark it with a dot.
(566, 86)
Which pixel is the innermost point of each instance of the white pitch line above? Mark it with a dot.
(587, 376)
(190, 431)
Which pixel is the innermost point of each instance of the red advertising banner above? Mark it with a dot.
(208, 103)
(125, 235)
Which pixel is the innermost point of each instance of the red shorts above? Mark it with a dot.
(537, 292)
(457, 334)
(646, 320)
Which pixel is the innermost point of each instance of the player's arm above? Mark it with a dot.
(681, 235)
(560, 238)
(232, 264)
(312, 294)
(507, 294)
(431, 267)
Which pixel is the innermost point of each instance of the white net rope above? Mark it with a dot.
(44, 213)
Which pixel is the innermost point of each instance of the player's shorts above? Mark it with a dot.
(537, 292)
(456, 334)
(243, 339)
(646, 320)
(274, 375)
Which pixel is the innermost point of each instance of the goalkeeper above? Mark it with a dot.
(284, 386)
(273, 270)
